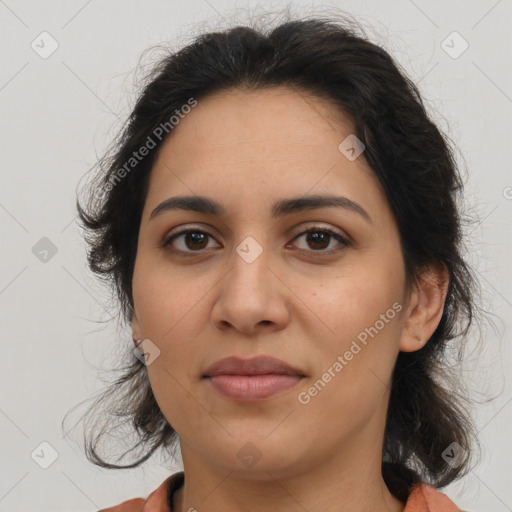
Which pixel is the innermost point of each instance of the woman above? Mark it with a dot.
(279, 219)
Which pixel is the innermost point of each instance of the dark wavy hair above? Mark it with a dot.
(413, 161)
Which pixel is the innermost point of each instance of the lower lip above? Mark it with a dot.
(253, 387)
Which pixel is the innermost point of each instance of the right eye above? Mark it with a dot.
(187, 241)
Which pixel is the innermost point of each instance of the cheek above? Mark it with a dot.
(166, 302)
(361, 308)
(350, 302)
(354, 360)
(168, 309)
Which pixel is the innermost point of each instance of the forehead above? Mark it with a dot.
(254, 147)
(271, 117)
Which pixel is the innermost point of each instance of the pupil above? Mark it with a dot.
(196, 238)
(317, 237)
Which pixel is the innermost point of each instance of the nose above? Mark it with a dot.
(252, 297)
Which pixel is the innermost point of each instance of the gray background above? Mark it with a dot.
(59, 113)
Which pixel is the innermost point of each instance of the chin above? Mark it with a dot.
(254, 456)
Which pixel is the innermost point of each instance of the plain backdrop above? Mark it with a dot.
(67, 78)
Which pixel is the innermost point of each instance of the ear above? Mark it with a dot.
(425, 307)
(136, 331)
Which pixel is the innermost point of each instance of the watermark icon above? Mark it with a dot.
(249, 249)
(45, 45)
(507, 192)
(304, 397)
(351, 147)
(454, 455)
(454, 45)
(249, 455)
(146, 352)
(44, 250)
(44, 455)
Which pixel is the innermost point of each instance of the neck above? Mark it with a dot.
(330, 486)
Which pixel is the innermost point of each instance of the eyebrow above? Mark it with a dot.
(281, 208)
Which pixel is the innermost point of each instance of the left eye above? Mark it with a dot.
(320, 239)
(194, 240)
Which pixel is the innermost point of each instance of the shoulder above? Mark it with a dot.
(422, 498)
(157, 501)
(133, 505)
(426, 498)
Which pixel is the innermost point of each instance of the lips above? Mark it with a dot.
(260, 365)
(253, 379)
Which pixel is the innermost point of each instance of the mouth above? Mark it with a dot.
(253, 379)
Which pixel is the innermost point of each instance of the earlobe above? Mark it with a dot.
(425, 308)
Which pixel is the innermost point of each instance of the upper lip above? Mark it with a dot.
(259, 365)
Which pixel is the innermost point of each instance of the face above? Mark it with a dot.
(321, 289)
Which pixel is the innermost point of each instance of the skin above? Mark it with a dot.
(247, 149)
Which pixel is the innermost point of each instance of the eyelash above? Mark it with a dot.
(315, 229)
